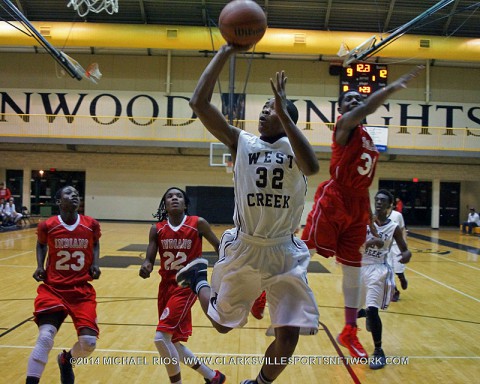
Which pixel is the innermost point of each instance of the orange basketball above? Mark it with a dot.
(242, 22)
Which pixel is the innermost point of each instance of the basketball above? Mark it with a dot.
(242, 22)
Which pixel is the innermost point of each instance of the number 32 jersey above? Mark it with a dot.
(177, 246)
(70, 249)
(270, 188)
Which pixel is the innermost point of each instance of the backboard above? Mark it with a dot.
(220, 155)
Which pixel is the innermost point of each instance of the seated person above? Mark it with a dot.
(2, 208)
(11, 214)
(473, 221)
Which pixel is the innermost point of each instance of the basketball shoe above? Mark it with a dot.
(66, 370)
(192, 274)
(258, 307)
(396, 295)
(403, 282)
(378, 359)
(348, 339)
(218, 379)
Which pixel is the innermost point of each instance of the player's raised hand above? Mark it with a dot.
(402, 81)
(278, 88)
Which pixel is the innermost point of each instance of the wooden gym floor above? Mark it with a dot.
(431, 335)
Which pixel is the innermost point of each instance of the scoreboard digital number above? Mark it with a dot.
(363, 77)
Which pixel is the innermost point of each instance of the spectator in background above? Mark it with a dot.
(4, 191)
(11, 214)
(473, 221)
(399, 205)
(2, 210)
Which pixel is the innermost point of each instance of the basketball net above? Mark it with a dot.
(95, 6)
(92, 72)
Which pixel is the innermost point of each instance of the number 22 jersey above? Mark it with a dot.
(70, 249)
(177, 246)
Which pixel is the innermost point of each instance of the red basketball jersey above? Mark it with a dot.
(70, 249)
(177, 246)
(353, 165)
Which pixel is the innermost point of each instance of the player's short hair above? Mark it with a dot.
(58, 194)
(292, 111)
(342, 95)
(386, 193)
(161, 213)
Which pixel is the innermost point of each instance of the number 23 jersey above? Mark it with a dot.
(70, 249)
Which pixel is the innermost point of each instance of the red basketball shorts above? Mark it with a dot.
(337, 223)
(174, 311)
(80, 302)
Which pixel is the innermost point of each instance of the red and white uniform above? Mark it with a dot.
(70, 256)
(177, 246)
(337, 222)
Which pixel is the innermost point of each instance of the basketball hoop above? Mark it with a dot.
(356, 53)
(95, 6)
(229, 166)
(92, 72)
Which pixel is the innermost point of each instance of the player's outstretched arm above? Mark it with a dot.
(354, 117)
(211, 117)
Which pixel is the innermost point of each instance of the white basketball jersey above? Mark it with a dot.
(396, 217)
(270, 189)
(374, 255)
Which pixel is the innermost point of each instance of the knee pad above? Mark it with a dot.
(46, 334)
(84, 347)
(88, 343)
(351, 286)
(185, 355)
(166, 349)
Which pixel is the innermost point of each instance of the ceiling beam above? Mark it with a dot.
(450, 17)
(142, 11)
(327, 15)
(389, 15)
(18, 4)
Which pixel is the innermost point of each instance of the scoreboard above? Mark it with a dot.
(366, 78)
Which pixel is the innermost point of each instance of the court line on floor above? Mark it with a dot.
(454, 261)
(350, 370)
(445, 243)
(17, 255)
(152, 352)
(443, 284)
(16, 239)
